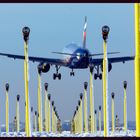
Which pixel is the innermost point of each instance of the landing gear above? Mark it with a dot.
(55, 75)
(95, 76)
(98, 74)
(72, 73)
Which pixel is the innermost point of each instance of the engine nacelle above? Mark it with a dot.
(45, 67)
(109, 67)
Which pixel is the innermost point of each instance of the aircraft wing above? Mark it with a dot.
(52, 61)
(98, 61)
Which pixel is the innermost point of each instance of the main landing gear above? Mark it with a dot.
(57, 75)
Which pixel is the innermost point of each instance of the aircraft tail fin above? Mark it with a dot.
(84, 33)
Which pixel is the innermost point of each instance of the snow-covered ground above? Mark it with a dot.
(129, 133)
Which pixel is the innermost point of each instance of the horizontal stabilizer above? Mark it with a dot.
(97, 54)
(64, 53)
(89, 54)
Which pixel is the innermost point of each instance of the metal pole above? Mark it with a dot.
(7, 108)
(49, 114)
(85, 107)
(35, 122)
(39, 99)
(17, 113)
(76, 119)
(79, 117)
(105, 31)
(31, 121)
(95, 124)
(125, 107)
(137, 67)
(100, 125)
(26, 32)
(54, 109)
(52, 116)
(74, 123)
(46, 108)
(55, 121)
(113, 124)
(91, 101)
(81, 113)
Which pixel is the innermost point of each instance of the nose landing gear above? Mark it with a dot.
(57, 75)
(98, 74)
(72, 73)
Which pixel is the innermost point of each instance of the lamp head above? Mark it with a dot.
(85, 85)
(125, 84)
(99, 107)
(79, 102)
(7, 87)
(39, 67)
(91, 69)
(31, 109)
(26, 32)
(49, 97)
(105, 32)
(77, 108)
(35, 112)
(18, 97)
(81, 96)
(52, 103)
(46, 86)
(95, 111)
(113, 95)
(54, 108)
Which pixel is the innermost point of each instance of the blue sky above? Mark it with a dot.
(53, 26)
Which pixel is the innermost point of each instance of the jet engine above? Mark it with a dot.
(45, 67)
(109, 67)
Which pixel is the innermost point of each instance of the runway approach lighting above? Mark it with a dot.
(17, 113)
(7, 107)
(74, 123)
(95, 124)
(125, 106)
(55, 119)
(79, 117)
(105, 32)
(113, 123)
(39, 99)
(81, 113)
(32, 116)
(54, 109)
(52, 116)
(77, 120)
(46, 107)
(26, 32)
(137, 67)
(100, 122)
(85, 107)
(35, 121)
(91, 101)
(49, 114)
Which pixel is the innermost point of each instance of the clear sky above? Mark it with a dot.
(53, 26)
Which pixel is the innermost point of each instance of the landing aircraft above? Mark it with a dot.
(75, 57)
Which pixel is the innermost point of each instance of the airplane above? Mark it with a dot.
(75, 57)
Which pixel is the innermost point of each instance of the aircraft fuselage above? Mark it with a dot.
(80, 59)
